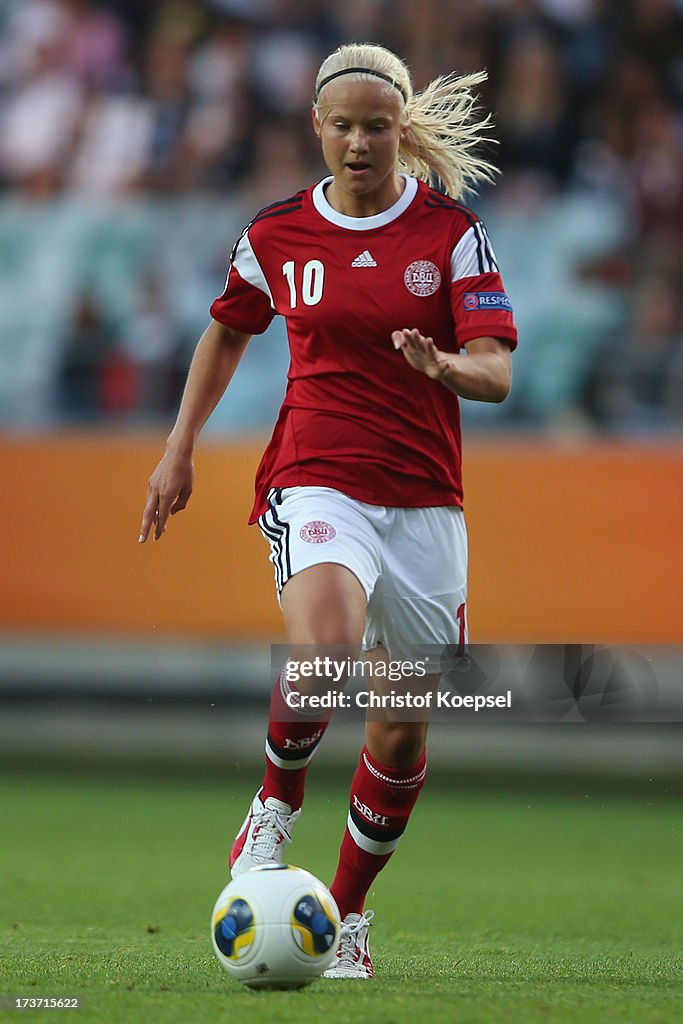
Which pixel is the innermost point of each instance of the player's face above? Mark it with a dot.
(360, 129)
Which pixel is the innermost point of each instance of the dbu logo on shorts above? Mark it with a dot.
(317, 532)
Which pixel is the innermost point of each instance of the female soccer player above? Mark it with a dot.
(385, 284)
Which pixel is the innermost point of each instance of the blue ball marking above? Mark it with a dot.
(241, 912)
(319, 923)
(238, 919)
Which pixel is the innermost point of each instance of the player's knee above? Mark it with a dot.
(396, 744)
(338, 633)
(332, 642)
(324, 665)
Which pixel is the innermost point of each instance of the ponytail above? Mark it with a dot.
(445, 133)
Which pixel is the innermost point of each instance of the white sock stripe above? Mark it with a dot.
(370, 845)
(412, 782)
(279, 762)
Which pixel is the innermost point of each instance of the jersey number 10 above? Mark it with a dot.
(312, 281)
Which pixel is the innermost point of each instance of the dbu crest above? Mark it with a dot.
(317, 532)
(422, 278)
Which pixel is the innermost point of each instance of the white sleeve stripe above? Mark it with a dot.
(473, 254)
(488, 251)
(249, 268)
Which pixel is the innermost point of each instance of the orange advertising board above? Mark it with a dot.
(578, 543)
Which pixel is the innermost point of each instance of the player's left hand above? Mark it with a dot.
(420, 352)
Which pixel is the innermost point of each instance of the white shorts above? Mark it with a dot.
(411, 562)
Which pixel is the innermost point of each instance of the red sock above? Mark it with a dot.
(290, 744)
(381, 801)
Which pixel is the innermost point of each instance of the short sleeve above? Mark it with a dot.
(246, 304)
(480, 305)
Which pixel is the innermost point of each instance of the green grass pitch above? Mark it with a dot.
(515, 906)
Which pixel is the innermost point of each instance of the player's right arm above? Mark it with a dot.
(215, 360)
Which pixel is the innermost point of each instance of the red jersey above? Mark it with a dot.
(356, 416)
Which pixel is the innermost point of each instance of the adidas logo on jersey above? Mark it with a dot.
(364, 259)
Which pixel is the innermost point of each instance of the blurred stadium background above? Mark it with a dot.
(136, 139)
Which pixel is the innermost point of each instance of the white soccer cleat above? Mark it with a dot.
(266, 831)
(353, 954)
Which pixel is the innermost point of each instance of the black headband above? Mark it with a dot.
(362, 71)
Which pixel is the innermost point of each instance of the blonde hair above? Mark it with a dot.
(445, 127)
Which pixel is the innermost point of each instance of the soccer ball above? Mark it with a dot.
(276, 926)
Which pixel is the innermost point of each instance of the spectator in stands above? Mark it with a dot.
(27, 27)
(656, 172)
(285, 55)
(654, 29)
(95, 44)
(636, 383)
(149, 340)
(112, 156)
(40, 121)
(280, 163)
(167, 91)
(535, 127)
(88, 341)
(220, 127)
